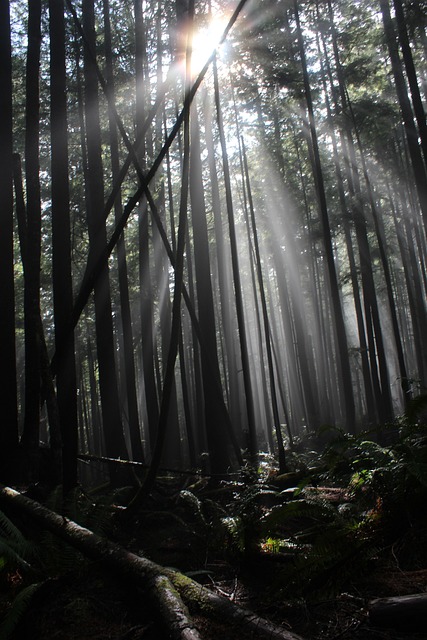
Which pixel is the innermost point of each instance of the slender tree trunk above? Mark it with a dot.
(411, 75)
(223, 263)
(405, 107)
(128, 355)
(66, 382)
(252, 437)
(219, 458)
(404, 233)
(169, 377)
(111, 417)
(266, 322)
(342, 347)
(172, 450)
(263, 416)
(146, 293)
(369, 395)
(95, 411)
(8, 388)
(30, 435)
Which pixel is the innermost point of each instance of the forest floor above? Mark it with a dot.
(292, 559)
(309, 550)
(87, 604)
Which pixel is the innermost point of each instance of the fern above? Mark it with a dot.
(15, 549)
(235, 529)
(17, 610)
(311, 509)
(10, 531)
(11, 556)
(336, 557)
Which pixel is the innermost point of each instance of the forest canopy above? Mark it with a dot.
(214, 222)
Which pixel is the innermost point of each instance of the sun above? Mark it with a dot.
(205, 41)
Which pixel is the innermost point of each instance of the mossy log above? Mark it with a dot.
(168, 588)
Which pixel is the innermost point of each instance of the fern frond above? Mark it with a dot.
(234, 526)
(9, 531)
(14, 547)
(295, 509)
(11, 556)
(17, 610)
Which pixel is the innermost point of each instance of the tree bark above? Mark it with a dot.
(238, 294)
(47, 387)
(411, 75)
(341, 336)
(219, 456)
(30, 436)
(111, 414)
(406, 110)
(8, 388)
(266, 321)
(66, 379)
(126, 321)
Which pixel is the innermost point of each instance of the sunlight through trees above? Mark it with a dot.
(218, 244)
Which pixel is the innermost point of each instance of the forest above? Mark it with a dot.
(213, 285)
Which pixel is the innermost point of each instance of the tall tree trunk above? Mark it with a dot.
(266, 323)
(66, 382)
(244, 354)
(377, 354)
(418, 166)
(411, 75)
(223, 263)
(216, 436)
(371, 416)
(172, 449)
(169, 377)
(341, 336)
(146, 293)
(128, 355)
(418, 316)
(111, 416)
(8, 388)
(30, 435)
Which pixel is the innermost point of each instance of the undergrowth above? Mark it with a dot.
(30, 556)
(347, 503)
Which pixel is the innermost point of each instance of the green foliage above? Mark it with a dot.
(373, 496)
(18, 556)
(17, 610)
(391, 473)
(326, 544)
(235, 529)
(15, 549)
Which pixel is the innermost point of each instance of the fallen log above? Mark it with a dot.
(399, 612)
(166, 586)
